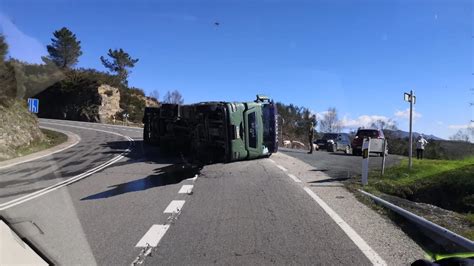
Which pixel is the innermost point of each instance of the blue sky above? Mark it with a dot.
(357, 56)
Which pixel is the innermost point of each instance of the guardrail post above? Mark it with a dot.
(384, 154)
(365, 161)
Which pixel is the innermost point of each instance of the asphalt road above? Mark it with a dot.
(339, 165)
(239, 213)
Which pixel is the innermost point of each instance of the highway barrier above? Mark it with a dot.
(439, 230)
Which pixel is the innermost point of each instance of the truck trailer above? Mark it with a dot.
(214, 131)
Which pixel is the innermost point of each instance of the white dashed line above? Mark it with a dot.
(175, 206)
(374, 258)
(186, 189)
(153, 236)
(282, 168)
(294, 178)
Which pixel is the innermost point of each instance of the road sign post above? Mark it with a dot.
(365, 161)
(411, 98)
(384, 155)
(33, 105)
(125, 119)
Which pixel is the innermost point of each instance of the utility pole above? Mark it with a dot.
(410, 97)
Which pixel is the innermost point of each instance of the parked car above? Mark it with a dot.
(341, 143)
(335, 142)
(376, 146)
(322, 142)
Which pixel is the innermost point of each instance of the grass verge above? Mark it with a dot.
(52, 138)
(447, 184)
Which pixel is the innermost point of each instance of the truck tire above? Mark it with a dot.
(146, 134)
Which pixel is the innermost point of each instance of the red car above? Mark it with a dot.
(363, 133)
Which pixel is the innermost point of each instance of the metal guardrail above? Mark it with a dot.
(439, 230)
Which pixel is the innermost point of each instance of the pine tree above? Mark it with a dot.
(65, 49)
(121, 60)
(3, 48)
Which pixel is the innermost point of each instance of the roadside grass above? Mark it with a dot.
(52, 138)
(448, 184)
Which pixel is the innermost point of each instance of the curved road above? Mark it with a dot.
(239, 213)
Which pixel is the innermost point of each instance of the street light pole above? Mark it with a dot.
(411, 132)
(410, 97)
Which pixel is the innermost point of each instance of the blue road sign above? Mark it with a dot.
(33, 105)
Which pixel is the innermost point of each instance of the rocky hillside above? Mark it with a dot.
(150, 102)
(110, 103)
(19, 128)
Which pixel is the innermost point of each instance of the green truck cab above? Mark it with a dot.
(214, 131)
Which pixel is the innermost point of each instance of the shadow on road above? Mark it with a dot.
(329, 180)
(168, 175)
(319, 170)
(141, 152)
(341, 154)
(178, 170)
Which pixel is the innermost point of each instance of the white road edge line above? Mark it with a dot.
(175, 206)
(296, 179)
(374, 258)
(282, 168)
(186, 189)
(81, 122)
(153, 236)
(45, 155)
(71, 180)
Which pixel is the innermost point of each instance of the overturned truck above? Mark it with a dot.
(214, 131)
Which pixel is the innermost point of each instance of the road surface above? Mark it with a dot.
(339, 165)
(106, 199)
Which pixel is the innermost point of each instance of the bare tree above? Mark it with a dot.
(384, 124)
(174, 97)
(330, 122)
(154, 94)
(464, 135)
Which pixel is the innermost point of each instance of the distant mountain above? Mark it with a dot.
(404, 134)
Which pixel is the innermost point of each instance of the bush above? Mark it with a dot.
(132, 102)
(436, 149)
(297, 122)
(74, 98)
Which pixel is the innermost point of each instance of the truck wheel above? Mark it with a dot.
(146, 135)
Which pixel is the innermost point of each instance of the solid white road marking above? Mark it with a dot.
(175, 206)
(185, 189)
(374, 258)
(59, 185)
(294, 178)
(282, 168)
(153, 236)
(272, 161)
(71, 180)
